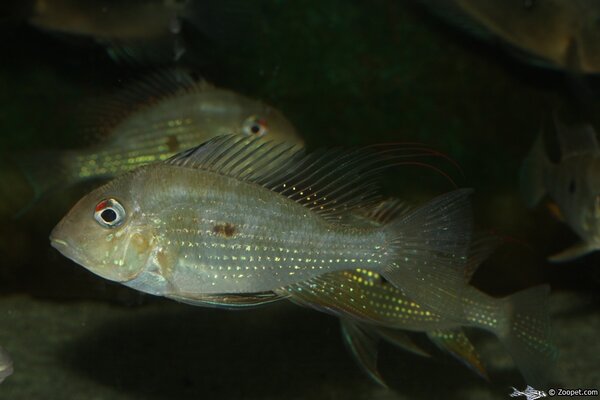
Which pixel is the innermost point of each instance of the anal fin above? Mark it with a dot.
(456, 343)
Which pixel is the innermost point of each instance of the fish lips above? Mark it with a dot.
(67, 250)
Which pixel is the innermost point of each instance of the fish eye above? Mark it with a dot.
(255, 126)
(109, 213)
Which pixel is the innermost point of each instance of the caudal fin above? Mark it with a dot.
(527, 335)
(531, 178)
(431, 246)
(44, 171)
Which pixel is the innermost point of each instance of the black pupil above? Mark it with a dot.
(255, 128)
(109, 215)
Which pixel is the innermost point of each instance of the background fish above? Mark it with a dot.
(6, 365)
(556, 33)
(150, 121)
(144, 31)
(573, 184)
(366, 303)
(237, 216)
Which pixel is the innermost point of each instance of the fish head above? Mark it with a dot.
(105, 232)
(269, 123)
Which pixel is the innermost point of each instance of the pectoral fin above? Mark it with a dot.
(363, 340)
(574, 252)
(363, 345)
(227, 300)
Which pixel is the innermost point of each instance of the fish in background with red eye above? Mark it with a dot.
(255, 126)
(151, 121)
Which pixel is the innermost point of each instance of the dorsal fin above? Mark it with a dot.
(575, 139)
(329, 183)
(482, 246)
(387, 210)
(103, 115)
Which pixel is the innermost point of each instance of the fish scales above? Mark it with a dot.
(151, 121)
(268, 246)
(364, 295)
(157, 144)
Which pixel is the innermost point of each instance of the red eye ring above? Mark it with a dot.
(255, 126)
(101, 206)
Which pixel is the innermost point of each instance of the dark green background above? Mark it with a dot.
(345, 73)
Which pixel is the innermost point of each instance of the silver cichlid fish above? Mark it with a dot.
(147, 31)
(573, 184)
(234, 219)
(6, 365)
(560, 34)
(369, 307)
(171, 112)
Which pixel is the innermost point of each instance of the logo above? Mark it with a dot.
(529, 392)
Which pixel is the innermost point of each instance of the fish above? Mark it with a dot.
(572, 184)
(369, 307)
(147, 32)
(236, 218)
(6, 365)
(151, 120)
(529, 392)
(557, 34)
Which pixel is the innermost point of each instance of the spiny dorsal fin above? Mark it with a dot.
(387, 210)
(482, 246)
(329, 183)
(103, 115)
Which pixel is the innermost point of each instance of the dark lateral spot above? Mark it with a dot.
(172, 143)
(572, 186)
(226, 229)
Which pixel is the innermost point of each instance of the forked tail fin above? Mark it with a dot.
(527, 335)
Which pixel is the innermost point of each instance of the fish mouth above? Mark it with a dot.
(65, 249)
(58, 244)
